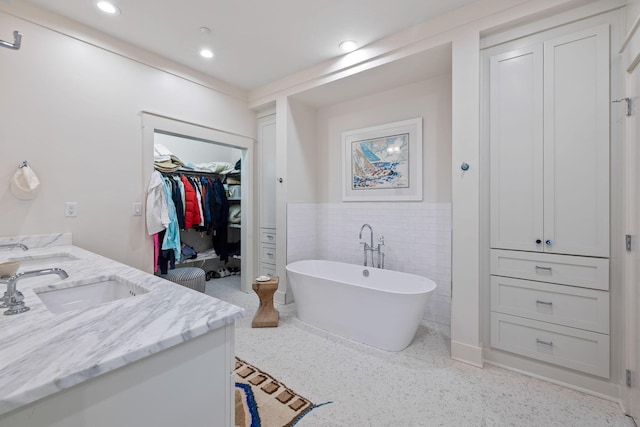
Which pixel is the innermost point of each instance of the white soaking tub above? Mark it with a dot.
(380, 308)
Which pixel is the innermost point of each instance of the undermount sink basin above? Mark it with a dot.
(63, 297)
(52, 259)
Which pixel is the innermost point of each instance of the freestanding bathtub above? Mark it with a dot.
(380, 308)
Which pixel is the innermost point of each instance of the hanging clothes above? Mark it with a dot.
(156, 213)
(191, 212)
(219, 220)
(171, 240)
(196, 186)
(204, 183)
(178, 197)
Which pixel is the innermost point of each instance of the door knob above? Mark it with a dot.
(549, 242)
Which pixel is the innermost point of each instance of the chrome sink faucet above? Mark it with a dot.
(368, 247)
(14, 245)
(13, 299)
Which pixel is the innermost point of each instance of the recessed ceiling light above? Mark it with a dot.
(206, 53)
(348, 46)
(108, 7)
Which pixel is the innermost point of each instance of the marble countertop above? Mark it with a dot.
(42, 353)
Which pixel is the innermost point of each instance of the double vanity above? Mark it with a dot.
(110, 345)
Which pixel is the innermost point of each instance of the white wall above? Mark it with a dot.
(465, 309)
(303, 167)
(73, 110)
(430, 99)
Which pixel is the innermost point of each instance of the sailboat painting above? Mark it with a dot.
(380, 163)
(383, 162)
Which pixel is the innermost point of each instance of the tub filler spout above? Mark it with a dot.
(368, 247)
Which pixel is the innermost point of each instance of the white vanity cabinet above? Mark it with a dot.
(549, 146)
(548, 142)
(117, 363)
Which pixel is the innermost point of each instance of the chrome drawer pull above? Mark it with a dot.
(543, 268)
(539, 341)
(549, 303)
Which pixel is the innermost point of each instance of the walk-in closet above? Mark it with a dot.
(210, 226)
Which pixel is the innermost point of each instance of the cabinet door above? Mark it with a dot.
(576, 143)
(267, 142)
(516, 90)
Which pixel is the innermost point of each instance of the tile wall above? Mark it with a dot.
(417, 240)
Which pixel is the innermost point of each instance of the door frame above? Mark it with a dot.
(150, 124)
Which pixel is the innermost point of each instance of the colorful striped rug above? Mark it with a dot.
(263, 401)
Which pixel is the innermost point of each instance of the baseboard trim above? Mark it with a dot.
(585, 383)
(466, 353)
(281, 297)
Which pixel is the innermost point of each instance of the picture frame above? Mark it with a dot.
(383, 163)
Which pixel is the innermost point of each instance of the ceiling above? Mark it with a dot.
(255, 41)
(411, 69)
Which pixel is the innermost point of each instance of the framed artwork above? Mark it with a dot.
(383, 163)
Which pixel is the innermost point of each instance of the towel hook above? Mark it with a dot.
(17, 38)
(23, 164)
(628, 104)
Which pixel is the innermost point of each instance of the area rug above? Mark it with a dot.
(263, 401)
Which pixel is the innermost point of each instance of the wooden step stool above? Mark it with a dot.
(266, 316)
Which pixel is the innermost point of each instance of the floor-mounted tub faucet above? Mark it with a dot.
(368, 247)
(13, 299)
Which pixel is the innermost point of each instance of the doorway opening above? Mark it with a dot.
(198, 145)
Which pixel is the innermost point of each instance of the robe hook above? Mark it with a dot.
(17, 38)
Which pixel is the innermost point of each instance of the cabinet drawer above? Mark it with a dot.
(268, 253)
(562, 269)
(267, 269)
(564, 305)
(268, 236)
(572, 348)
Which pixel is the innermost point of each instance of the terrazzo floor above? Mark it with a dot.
(419, 386)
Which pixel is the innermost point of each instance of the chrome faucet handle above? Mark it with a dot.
(13, 299)
(5, 300)
(381, 239)
(15, 304)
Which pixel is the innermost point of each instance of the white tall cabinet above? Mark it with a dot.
(267, 197)
(549, 146)
(548, 138)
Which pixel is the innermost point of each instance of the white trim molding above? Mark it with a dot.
(465, 353)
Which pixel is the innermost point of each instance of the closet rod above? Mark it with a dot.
(194, 173)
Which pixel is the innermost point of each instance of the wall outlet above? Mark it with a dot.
(71, 209)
